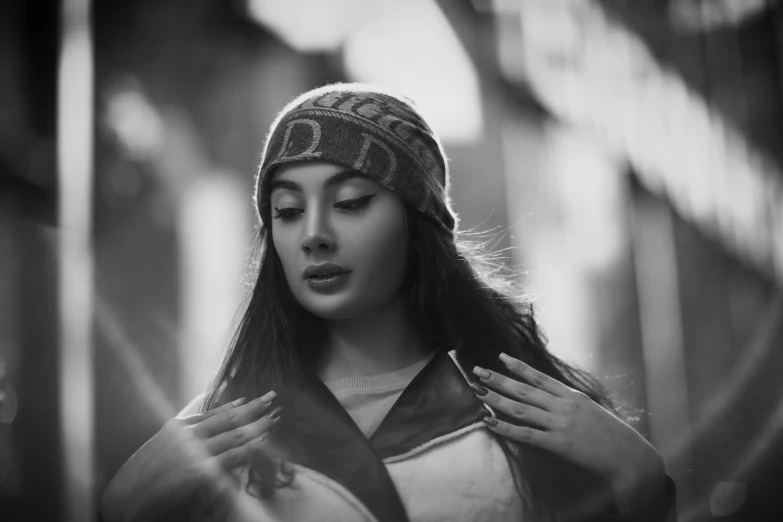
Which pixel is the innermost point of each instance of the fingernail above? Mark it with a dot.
(268, 397)
(481, 372)
(263, 437)
(490, 421)
(479, 389)
(239, 401)
(275, 414)
(508, 361)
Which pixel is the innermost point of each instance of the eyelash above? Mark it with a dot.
(347, 205)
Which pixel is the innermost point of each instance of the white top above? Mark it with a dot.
(368, 399)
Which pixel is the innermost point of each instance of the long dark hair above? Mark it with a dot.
(461, 297)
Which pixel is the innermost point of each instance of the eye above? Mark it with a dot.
(286, 214)
(351, 205)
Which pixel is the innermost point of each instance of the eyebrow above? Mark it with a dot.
(329, 183)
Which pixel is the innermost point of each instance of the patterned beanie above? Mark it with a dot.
(368, 129)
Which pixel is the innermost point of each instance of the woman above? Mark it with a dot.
(397, 377)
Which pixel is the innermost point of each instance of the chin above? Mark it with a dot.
(331, 308)
(333, 313)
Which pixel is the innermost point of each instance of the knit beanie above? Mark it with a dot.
(365, 128)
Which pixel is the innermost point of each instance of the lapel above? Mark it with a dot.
(438, 401)
(315, 431)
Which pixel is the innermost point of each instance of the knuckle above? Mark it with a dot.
(201, 429)
(175, 423)
(191, 433)
(522, 391)
(520, 410)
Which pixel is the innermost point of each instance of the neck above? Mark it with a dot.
(377, 342)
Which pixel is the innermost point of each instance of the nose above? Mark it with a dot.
(317, 236)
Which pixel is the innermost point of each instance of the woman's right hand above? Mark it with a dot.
(186, 454)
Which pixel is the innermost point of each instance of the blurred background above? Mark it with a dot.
(625, 156)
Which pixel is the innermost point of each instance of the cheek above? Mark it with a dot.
(384, 252)
(286, 251)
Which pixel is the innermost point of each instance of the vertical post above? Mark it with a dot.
(663, 350)
(74, 169)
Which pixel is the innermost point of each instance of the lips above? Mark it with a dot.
(323, 270)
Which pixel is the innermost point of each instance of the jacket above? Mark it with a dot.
(431, 459)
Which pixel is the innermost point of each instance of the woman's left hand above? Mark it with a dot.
(566, 422)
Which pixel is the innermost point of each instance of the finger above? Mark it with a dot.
(242, 435)
(238, 456)
(515, 389)
(233, 404)
(234, 417)
(198, 417)
(534, 377)
(524, 413)
(523, 434)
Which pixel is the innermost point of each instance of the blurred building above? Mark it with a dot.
(629, 153)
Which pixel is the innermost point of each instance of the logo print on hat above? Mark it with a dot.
(309, 151)
(364, 161)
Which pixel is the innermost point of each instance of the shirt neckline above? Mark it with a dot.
(383, 381)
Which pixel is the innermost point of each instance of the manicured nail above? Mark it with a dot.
(275, 414)
(263, 437)
(479, 389)
(481, 372)
(239, 401)
(508, 361)
(490, 421)
(268, 397)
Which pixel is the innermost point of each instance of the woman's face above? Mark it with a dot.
(332, 220)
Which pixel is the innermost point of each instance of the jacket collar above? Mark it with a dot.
(315, 431)
(438, 401)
